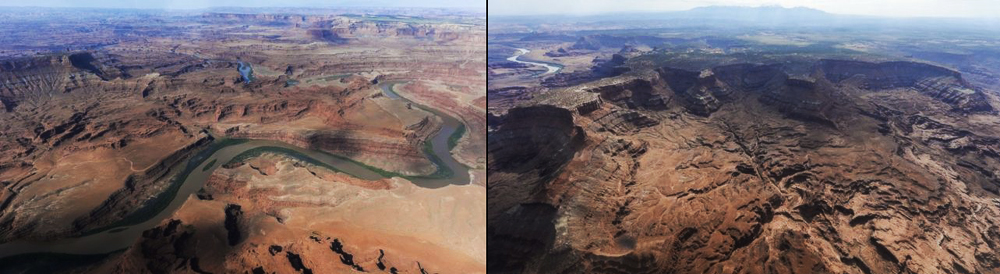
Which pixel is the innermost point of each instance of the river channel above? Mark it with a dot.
(202, 164)
(551, 68)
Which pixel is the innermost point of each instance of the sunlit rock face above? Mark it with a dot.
(941, 83)
(104, 112)
(854, 168)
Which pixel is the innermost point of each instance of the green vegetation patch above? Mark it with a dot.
(337, 77)
(457, 135)
(443, 172)
(209, 165)
(258, 151)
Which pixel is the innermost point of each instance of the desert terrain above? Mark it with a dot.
(685, 145)
(232, 141)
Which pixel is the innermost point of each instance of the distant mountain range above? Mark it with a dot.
(755, 13)
(763, 16)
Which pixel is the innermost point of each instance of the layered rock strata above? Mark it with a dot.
(858, 168)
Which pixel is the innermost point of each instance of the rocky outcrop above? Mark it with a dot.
(509, 97)
(277, 213)
(220, 111)
(706, 91)
(100, 129)
(631, 92)
(976, 152)
(938, 82)
(141, 194)
(173, 242)
(296, 261)
(623, 122)
(883, 75)
(859, 181)
(750, 76)
(954, 92)
(254, 16)
(98, 117)
(518, 235)
(599, 41)
(87, 62)
(601, 68)
(232, 224)
(328, 36)
(688, 86)
(547, 135)
(348, 259)
(36, 80)
(358, 27)
(408, 158)
(803, 99)
(589, 106)
(521, 220)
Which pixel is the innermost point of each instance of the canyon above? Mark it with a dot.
(844, 167)
(99, 139)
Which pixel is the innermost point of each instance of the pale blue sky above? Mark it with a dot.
(198, 4)
(892, 8)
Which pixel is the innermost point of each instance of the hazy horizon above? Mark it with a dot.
(203, 4)
(888, 8)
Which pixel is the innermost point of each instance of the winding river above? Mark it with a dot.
(439, 146)
(202, 164)
(551, 68)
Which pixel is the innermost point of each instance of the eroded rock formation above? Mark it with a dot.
(99, 120)
(941, 83)
(279, 214)
(856, 168)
